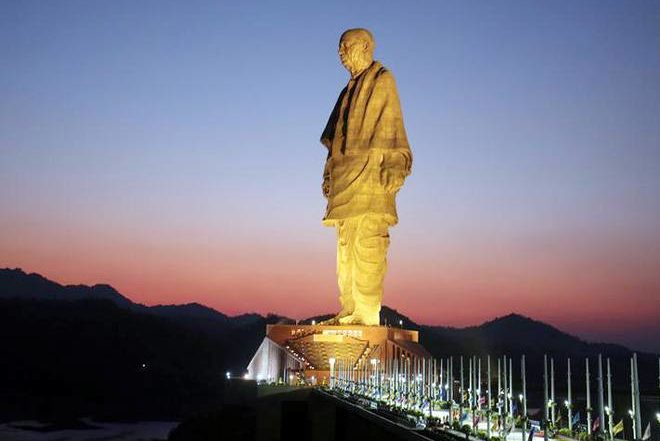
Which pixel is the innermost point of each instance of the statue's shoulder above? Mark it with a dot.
(382, 74)
(384, 79)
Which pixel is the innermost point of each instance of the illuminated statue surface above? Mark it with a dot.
(368, 160)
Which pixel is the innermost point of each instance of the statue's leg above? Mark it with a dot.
(369, 254)
(345, 238)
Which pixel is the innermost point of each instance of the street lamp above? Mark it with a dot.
(332, 361)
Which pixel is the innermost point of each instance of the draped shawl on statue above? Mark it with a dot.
(365, 135)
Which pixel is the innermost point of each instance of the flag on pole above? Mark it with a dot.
(618, 428)
(576, 418)
(596, 425)
(647, 432)
(531, 434)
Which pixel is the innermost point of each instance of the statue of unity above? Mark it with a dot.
(367, 163)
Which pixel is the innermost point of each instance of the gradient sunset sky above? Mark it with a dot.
(171, 150)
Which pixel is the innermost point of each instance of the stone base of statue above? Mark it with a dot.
(314, 353)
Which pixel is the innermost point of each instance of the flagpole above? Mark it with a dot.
(462, 393)
(511, 386)
(451, 389)
(552, 389)
(489, 398)
(569, 404)
(506, 390)
(632, 398)
(523, 376)
(427, 379)
(436, 378)
(513, 417)
(499, 388)
(475, 393)
(610, 406)
(638, 413)
(470, 388)
(504, 397)
(479, 383)
(601, 399)
(545, 397)
(588, 397)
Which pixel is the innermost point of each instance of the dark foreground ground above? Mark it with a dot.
(308, 414)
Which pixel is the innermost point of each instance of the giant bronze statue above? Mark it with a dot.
(368, 160)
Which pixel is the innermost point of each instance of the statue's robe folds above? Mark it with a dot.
(365, 137)
(367, 148)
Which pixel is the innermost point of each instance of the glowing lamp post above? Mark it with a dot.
(374, 375)
(632, 418)
(332, 372)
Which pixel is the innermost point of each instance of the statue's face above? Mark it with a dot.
(354, 53)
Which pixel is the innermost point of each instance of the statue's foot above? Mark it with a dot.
(336, 319)
(361, 319)
(330, 322)
(352, 319)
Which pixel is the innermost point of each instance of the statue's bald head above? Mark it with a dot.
(356, 50)
(360, 34)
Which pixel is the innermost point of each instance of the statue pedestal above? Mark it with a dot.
(289, 352)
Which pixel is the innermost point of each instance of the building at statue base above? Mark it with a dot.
(314, 353)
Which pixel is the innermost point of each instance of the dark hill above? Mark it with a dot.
(74, 348)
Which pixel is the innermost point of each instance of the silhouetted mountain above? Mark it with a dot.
(512, 334)
(189, 311)
(78, 348)
(15, 283)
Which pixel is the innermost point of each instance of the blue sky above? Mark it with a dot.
(190, 130)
